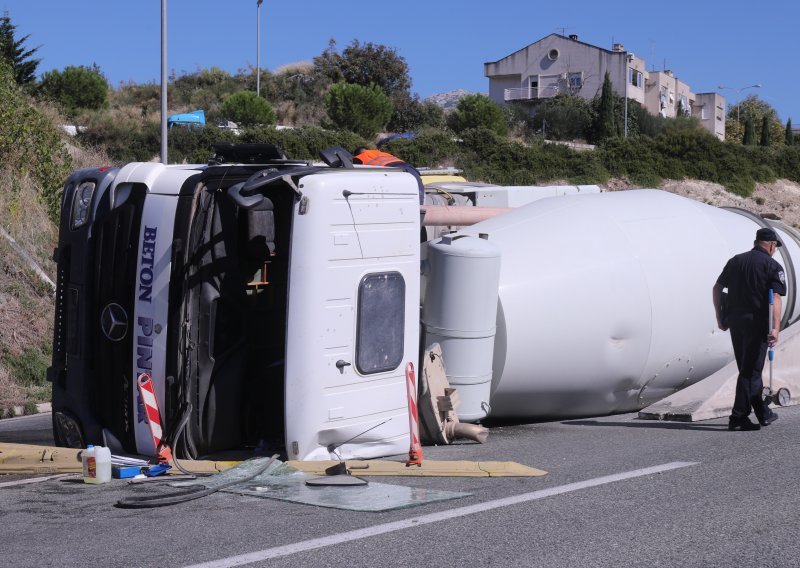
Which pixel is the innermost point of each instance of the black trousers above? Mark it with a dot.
(750, 348)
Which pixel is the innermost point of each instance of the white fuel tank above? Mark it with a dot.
(605, 300)
(459, 313)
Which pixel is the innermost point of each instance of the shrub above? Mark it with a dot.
(585, 168)
(28, 368)
(563, 118)
(195, 145)
(248, 109)
(125, 138)
(76, 88)
(303, 143)
(763, 173)
(431, 148)
(739, 185)
(477, 112)
(30, 408)
(30, 144)
(410, 114)
(787, 162)
(363, 110)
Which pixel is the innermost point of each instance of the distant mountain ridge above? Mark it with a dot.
(448, 100)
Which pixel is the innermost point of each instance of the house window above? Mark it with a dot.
(575, 80)
(381, 322)
(683, 102)
(635, 77)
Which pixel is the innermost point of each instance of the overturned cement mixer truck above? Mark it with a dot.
(277, 301)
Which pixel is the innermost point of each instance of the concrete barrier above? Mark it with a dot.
(713, 396)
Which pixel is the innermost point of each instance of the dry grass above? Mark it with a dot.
(305, 67)
(26, 302)
(24, 217)
(11, 394)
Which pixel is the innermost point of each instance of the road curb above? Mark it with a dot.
(19, 411)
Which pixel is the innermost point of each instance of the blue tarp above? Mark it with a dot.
(194, 118)
(404, 135)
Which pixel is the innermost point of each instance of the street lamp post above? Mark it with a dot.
(738, 92)
(258, 47)
(164, 82)
(629, 60)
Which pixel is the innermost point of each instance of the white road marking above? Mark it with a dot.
(34, 479)
(349, 536)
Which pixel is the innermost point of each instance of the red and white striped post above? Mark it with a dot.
(415, 451)
(148, 394)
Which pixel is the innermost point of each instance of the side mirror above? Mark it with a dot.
(253, 202)
(337, 157)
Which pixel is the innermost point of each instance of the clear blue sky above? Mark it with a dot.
(445, 42)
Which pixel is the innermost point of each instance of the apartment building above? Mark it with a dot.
(559, 64)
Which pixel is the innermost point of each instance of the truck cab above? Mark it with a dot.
(273, 302)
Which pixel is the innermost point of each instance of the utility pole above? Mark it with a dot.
(164, 82)
(258, 47)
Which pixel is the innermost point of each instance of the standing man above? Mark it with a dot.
(749, 277)
(367, 157)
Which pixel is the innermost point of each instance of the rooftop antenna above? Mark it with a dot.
(652, 55)
(563, 31)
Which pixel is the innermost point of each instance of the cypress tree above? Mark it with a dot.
(789, 133)
(765, 131)
(14, 53)
(604, 127)
(749, 133)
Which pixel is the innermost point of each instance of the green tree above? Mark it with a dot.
(765, 131)
(15, 54)
(789, 135)
(477, 111)
(247, 109)
(755, 108)
(363, 110)
(366, 64)
(749, 132)
(604, 126)
(563, 117)
(411, 114)
(76, 88)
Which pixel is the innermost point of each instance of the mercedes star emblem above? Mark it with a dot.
(114, 322)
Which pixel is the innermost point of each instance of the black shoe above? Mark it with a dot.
(772, 417)
(742, 424)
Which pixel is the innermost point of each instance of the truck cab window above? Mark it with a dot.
(381, 313)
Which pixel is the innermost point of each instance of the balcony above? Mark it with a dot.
(530, 93)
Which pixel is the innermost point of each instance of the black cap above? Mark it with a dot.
(767, 234)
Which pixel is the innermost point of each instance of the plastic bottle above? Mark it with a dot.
(96, 464)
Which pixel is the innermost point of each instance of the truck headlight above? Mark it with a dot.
(81, 204)
(67, 430)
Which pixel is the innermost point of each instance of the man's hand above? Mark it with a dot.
(772, 337)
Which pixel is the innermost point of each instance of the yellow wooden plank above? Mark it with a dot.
(429, 468)
(26, 458)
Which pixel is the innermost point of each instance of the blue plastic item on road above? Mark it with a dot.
(157, 470)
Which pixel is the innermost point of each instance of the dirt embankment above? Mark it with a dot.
(779, 199)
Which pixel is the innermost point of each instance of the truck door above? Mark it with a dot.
(353, 314)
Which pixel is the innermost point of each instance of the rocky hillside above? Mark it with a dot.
(780, 199)
(448, 100)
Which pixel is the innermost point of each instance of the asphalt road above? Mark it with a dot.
(712, 498)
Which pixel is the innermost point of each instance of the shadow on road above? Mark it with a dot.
(651, 424)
